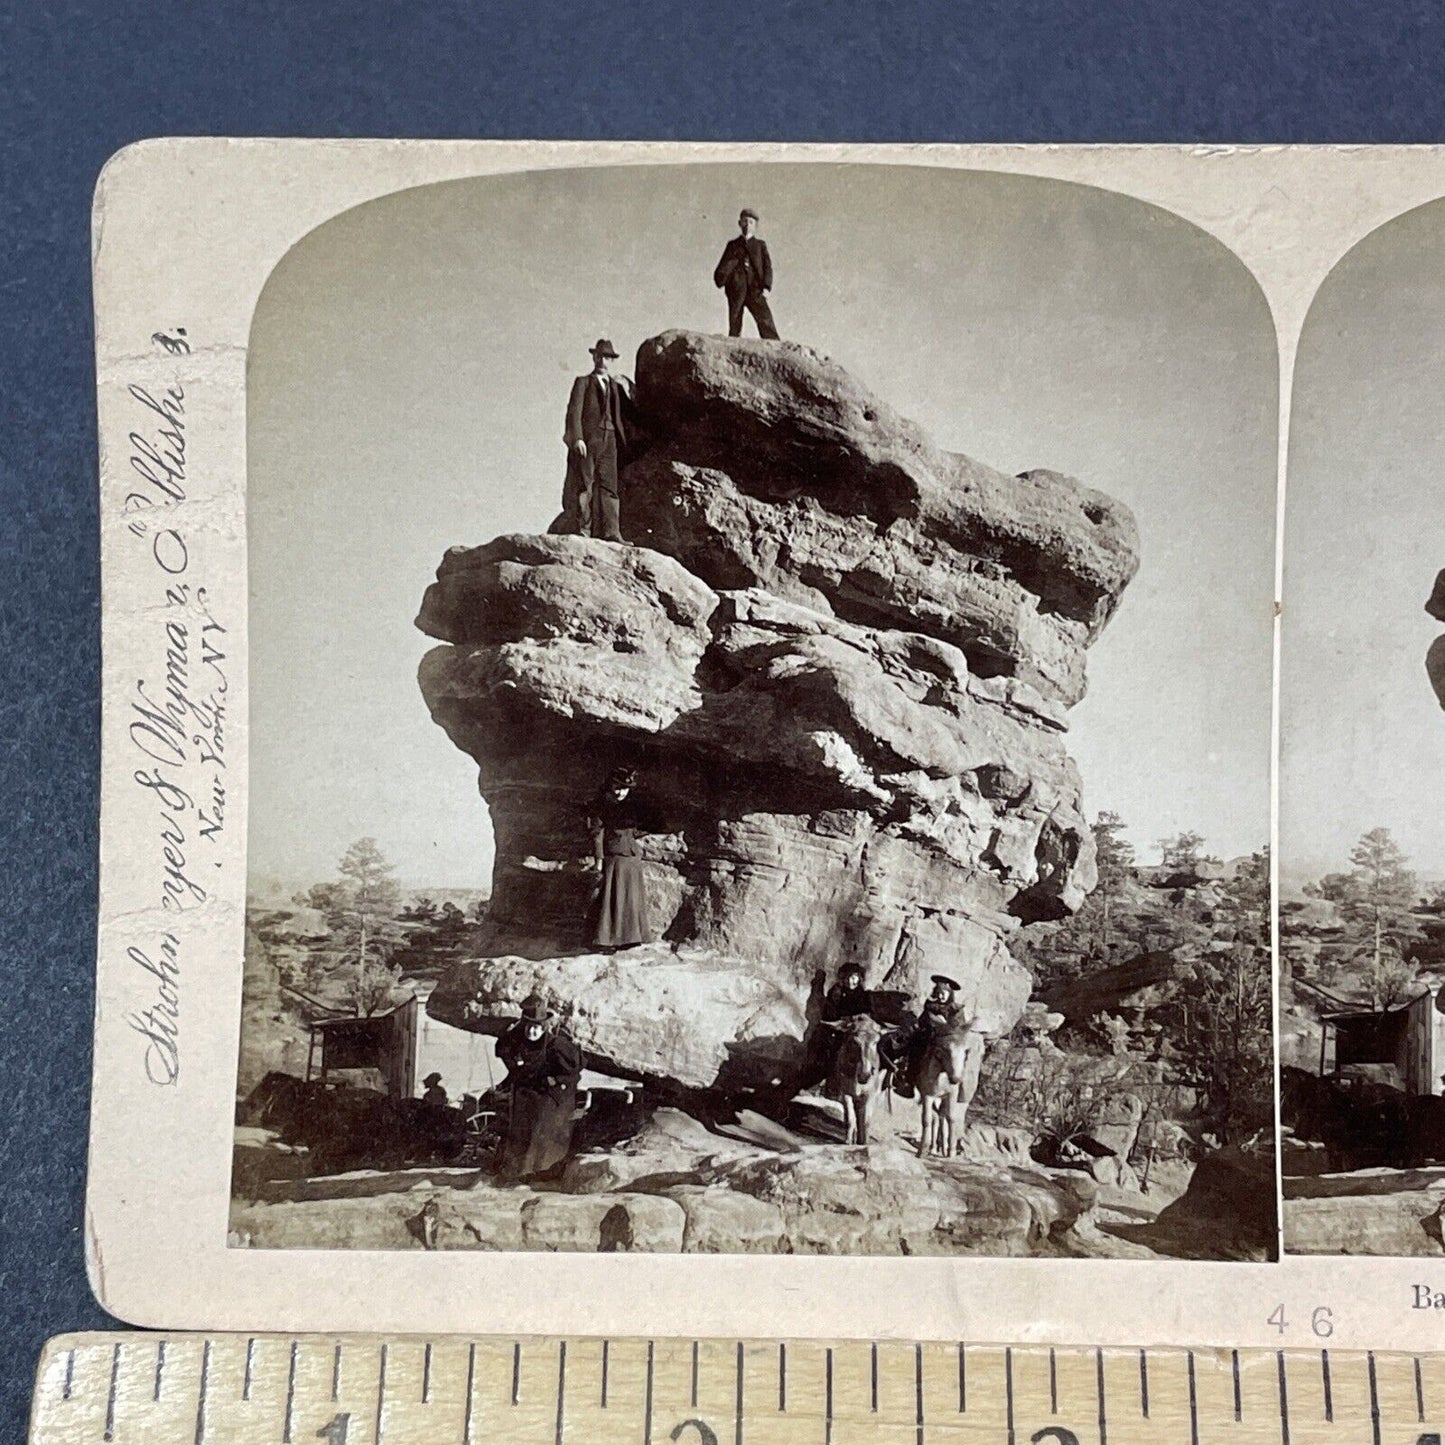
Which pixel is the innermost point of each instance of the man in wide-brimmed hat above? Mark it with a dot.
(745, 276)
(904, 1047)
(596, 434)
(543, 1065)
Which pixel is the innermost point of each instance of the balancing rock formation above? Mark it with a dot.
(840, 659)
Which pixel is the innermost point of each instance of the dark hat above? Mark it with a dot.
(748, 211)
(950, 983)
(604, 348)
(848, 968)
(432, 1078)
(535, 1010)
(622, 778)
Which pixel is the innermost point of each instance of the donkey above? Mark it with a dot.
(947, 1081)
(856, 1072)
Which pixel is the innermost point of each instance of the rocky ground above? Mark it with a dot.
(1366, 1211)
(749, 1187)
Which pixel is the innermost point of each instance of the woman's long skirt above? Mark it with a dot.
(539, 1133)
(622, 904)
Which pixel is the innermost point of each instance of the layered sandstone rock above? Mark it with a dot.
(840, 659)
(775, 468)
(1435, 658)
(676, 1188)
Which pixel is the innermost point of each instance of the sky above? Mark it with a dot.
(409, 368)
(1362, 736)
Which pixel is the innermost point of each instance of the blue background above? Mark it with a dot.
(79, 81)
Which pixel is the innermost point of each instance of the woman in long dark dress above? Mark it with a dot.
(615, 819)
(543, 1065)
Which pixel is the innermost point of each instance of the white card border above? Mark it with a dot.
(186, 232)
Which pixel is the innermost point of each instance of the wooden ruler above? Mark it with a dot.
(148, 1389)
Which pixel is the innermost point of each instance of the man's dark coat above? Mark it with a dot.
(597, 414)
(746, 269)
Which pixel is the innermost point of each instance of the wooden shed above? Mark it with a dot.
(1411, 1037)
(404, 1045)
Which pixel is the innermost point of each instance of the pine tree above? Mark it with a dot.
(363, 927)
(1224, 1037)
(1377, 902)
(1115, 855)
(1183, 853)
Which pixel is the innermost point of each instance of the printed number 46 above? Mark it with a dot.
(1322, 1320)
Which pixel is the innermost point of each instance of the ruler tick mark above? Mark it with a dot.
(782, 1376)
(605, 1352)
(205, 1386)
(250, 1361)
(336, 1374)
(69, 1384)
(471, 1394)
(561, 1388)
(1144, 1383)
(380, 1396)
(1325, 1382)
(647, 1406)
(291, 1388)
(1103, 1413)
(918, 1391)
(1193, 1404)
(962, 1377)
(110, 1398)
(1008, 1392)
(426, 1374)
(694, 1374)
(161, 1370)
(1053, 1383)
(1419, 1393)
(828, 1397)
(1238, 1398)
(1283, 1398)
(874, 1357)
(738, 1407)
(517, 1372)
(1374, 1399)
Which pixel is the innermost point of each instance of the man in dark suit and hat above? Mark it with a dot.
(745, 275)
(903, 1048)
(596, 432)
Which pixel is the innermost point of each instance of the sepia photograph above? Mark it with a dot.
(759, 684)
(1362, 766)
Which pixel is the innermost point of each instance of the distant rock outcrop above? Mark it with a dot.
(1435, 658)
(840, 660)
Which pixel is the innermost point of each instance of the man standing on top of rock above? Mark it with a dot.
(596, 432)
(903, 1048)
(745, 275)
